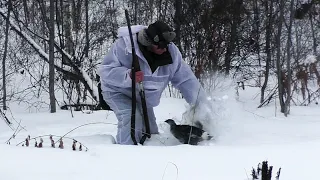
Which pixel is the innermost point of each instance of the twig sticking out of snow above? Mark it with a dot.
(264, 172)
(41, 143)
(27, 142)
(35, 143)
(85, 125)
(74, 145)
(177, 170)
(52, 142)
(80, 147)
(17, 130)
(278, 174)
(61, 144)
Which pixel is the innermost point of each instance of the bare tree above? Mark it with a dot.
(4, 98)
(313, 33)
(233, 33)
(288, 79)
(87, 29)
(280, 73)
(51, 59)
(256, 35)
(177, 22)
(269, 28)
(75, 72)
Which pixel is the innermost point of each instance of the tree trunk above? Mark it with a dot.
(159, 9)
(269, 22)
(4, 88)
(76, 14)
(177, 21)
(164, 10)
(313, 35)
(233, 34)
(44, 23)
(278, 60)
(256, 35)
(135, 10)
(87, 28)
(297, 42)
(113, 19)
(60, 26)
(51, 59)
(288, 84)
(26, 12)
(67, 29)
(151, 13)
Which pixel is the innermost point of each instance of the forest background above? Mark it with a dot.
(53, 48)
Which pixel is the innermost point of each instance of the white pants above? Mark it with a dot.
(121, 106)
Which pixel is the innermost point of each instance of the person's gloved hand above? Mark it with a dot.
(139, 76)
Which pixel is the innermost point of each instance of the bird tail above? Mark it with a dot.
(198, 124)
(205, 135)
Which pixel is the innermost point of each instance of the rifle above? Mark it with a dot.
(136, 67)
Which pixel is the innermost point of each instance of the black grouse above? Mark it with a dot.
(187, 134)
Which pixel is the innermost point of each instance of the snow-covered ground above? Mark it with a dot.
(244, 137)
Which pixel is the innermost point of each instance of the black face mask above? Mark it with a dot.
(162, 44)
